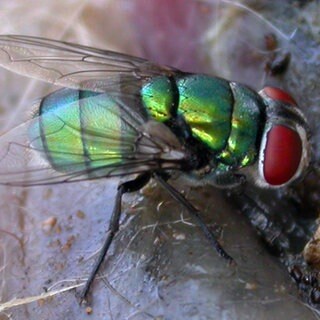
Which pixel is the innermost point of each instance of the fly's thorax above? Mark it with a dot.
(158, 97)
(224, 117)
(285, 150)
(248, 117)
(206, 105)
(204, 102)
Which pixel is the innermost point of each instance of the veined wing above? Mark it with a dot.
(92, 137)
(73, 65)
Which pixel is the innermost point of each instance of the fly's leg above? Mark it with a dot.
(226, 181)
(196, 214)
(129, 186)
(285, 236)
(281, 231)
(269, 230)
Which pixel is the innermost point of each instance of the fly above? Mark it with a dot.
(119, 115)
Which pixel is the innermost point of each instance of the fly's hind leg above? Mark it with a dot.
(126, 187)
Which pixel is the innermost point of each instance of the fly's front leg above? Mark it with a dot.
(126, 187)
(226, 180)
(219, 179)
(269, 230)
(197, 215)
(276, 220)
(276, 223)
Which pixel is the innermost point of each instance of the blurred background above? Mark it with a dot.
(160, 265)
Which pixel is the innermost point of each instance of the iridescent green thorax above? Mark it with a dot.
(225, 117)
(206, 105)
(247, 119)
(72, 128)
(158, 98)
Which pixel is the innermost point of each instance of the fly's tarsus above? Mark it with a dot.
(196, 214)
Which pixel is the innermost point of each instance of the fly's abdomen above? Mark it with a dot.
(101, 133)
(72, 128)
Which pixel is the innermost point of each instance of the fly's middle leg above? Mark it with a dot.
(196, 214)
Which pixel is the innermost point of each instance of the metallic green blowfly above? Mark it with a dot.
(120, 115)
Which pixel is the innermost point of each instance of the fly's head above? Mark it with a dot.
(284, 152)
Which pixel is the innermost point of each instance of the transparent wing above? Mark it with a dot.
(107, 139)
(73, 65)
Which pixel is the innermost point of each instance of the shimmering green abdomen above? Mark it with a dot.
(73, 127)
(100, 119)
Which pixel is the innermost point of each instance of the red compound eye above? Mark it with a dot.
(282, 155)
(278, 94)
